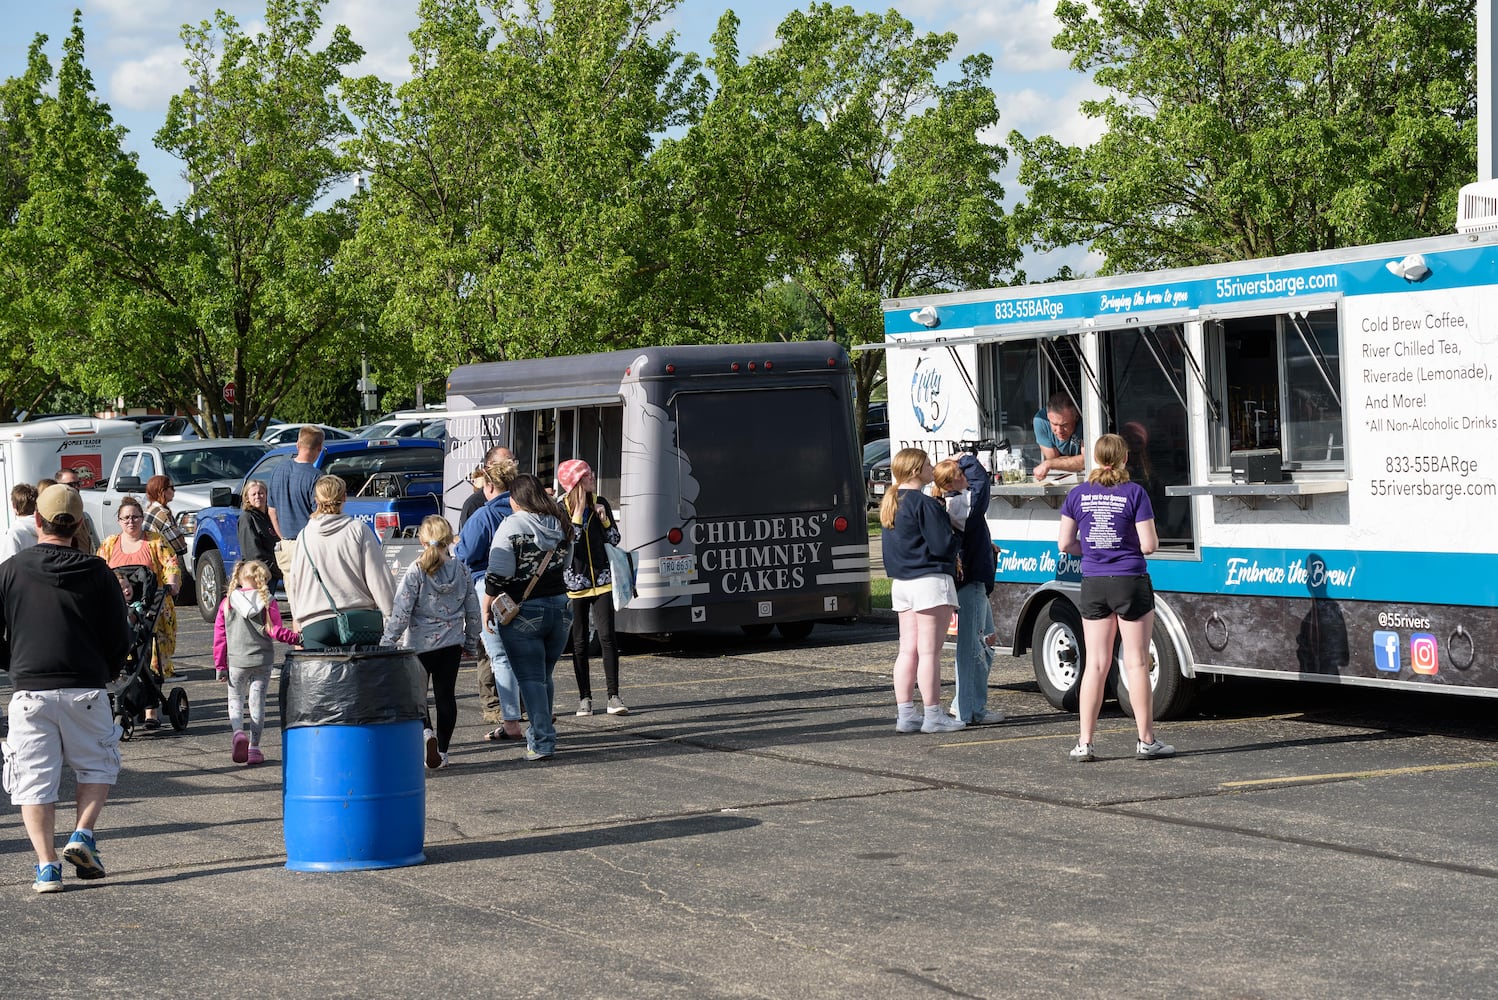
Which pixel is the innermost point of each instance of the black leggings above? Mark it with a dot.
(602, 606)
(442, 666)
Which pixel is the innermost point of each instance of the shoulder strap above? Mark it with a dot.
(318, 576)
(539, 570)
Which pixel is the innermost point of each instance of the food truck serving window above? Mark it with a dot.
(1280, 379)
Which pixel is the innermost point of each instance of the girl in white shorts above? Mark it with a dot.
(920, 556)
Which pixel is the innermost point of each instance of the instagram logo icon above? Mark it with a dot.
(1423, 656)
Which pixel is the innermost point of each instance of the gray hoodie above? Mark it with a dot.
(434, 611)
(520, 543)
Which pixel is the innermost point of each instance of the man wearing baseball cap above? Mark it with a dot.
(63, 636)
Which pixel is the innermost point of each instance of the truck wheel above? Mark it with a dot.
(1173, 691)
(1058, 654)
(210, 572)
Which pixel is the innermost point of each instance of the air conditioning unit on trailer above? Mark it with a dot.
(1477, 207)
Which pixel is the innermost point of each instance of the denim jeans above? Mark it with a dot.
(974, 621)
(534, 640)
(504, 677)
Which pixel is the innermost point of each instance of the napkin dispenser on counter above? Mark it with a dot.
(1260, 465)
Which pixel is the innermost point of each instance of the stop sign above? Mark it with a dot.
(229, 392)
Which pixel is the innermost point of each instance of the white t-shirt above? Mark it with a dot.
(21, 536)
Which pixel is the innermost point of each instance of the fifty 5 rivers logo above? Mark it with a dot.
(926, 397)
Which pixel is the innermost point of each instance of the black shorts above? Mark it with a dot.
(1129, 597)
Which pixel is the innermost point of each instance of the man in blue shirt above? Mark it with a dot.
(290, 488)
(1058, 431)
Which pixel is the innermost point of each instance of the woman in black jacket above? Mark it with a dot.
(257, 537)
(589, 582)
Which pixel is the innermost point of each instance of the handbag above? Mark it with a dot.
(622, 572)
(360, 627)
(503, 608)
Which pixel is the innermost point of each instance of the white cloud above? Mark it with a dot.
(147, 84)
(382, 29)
(1017, 33)
(1035, 112)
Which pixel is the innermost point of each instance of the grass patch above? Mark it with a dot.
(879, 592)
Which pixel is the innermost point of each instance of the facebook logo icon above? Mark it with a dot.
(1386, 651)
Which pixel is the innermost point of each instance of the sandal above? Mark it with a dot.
(494, 735)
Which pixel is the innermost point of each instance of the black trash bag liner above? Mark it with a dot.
(358, 686)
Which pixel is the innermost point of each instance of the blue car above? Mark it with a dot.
(393, 483)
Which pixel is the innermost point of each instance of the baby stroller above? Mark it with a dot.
(140, 687)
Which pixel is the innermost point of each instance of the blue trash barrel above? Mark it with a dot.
(354, 791)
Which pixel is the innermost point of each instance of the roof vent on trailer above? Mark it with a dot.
(1477, 207)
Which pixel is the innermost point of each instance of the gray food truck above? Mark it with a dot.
(734, 471)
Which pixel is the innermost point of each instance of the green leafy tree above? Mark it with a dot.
(23, 382)
(259, 130)
(1242, 128)
(125, 299)
(843, 161)
(513, 207)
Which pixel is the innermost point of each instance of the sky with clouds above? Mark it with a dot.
(135, 55)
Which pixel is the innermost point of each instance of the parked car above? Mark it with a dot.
(876, 474)
(430, 424)
(196, 468)
(181, 429)
(392, 485)
(286, 434)
(878, 422)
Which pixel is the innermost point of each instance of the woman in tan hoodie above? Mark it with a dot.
(338, 567)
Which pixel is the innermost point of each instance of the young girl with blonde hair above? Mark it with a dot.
(436, 615)
(244, 635)
(920, 558)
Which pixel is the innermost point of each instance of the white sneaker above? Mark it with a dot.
(988, 719)
(938, 721)
(908, 724)
(1153, 749)
(433, 755)
(1082, 752)
(585, 706)
(616, 706)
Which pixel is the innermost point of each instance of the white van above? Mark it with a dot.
(33, 451)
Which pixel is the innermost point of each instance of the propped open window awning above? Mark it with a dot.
(974, 335)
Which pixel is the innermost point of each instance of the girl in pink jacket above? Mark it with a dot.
(244, 633)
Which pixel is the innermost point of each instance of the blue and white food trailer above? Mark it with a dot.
(1318, 435)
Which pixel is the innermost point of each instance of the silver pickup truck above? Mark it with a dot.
(195, 468)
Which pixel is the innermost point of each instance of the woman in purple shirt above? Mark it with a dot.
(1109, 522)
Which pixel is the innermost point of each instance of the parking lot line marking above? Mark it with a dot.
(1387, 772)
(1115, 731)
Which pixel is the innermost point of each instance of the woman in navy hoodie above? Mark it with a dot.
(920, 557)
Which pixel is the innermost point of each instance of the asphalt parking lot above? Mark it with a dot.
(756, 828)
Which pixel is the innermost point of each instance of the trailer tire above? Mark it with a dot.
(795, 631)
(210, 570)
(1173, 691)
(1058, 654)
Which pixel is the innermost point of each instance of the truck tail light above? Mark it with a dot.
(386, 519)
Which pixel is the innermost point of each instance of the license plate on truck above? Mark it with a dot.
(678, 565)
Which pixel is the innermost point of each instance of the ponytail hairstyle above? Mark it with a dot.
(330, 492)
(254, 574)
(1111, 457)
(906, 465)
(436, 535)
